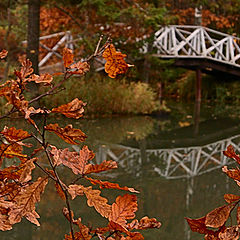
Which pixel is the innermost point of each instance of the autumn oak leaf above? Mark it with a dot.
(68, 134)
(103, 166)
(3, 53)
(115, 63)
(124, 208)
(74, 109)
(231, 154)
(14, 135)
(67, 57)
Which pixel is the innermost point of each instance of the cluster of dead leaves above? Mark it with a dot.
(213, 225)
(20, 192)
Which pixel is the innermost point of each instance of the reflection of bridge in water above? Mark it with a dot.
(170, 163)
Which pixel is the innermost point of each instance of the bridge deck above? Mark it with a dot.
(199, 47)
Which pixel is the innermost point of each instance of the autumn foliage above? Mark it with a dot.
(20, 191)
(214, 224)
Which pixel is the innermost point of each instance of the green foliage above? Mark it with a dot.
(106, 97)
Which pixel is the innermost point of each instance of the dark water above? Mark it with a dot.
(174, 161)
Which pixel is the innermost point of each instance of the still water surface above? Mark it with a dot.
(174, 161)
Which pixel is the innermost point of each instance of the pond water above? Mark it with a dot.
(174, 161)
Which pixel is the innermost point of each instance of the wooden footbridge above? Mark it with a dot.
(198, 47)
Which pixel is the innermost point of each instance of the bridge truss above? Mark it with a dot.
(188, 42)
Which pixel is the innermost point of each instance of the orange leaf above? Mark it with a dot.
(144, 223)
(74, 109)
(68, 134)
(67, 57)
(3, 53)
(75, 190)
(230, 198)
(5, 206)
(43, 78)
(110, 185)
(124, 208)
(232, 173)
(104, 166)
(115, 62)
(25, 202)
(117, 227)
(14, 135)
(231, 154)
(218, 216)
(60, 191)
(77, 162)
(79, 68)
(230, 233)
(238, 215)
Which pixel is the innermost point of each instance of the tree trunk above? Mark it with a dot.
(33, 33)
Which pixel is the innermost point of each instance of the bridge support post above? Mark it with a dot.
(198, 85)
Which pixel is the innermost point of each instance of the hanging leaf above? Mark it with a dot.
(26, 170)
(99, 203)
(3, 53)
(74, 109)
(110, 185)
(124, 208)
(68, 134)
(115, 62)
(218, 216)
(76, 190)
(67, 57)
(231, 198)
(45, 78)
(5, 206)
(60, 191)
(144, 223)
(232, 173)
(14, 135)
(75, 161)
(231, 154)
(25, 202)
(79, 68)
(104, 166)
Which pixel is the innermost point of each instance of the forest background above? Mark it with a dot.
(131, 25)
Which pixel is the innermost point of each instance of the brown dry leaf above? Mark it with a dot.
(67, 57)
(144, 223)
(198, 225)
(78, 162)
(110, 185)
(11, 150)
(99, 203)
(74, 109)
(25, 71)
(45, 78)
(26, 170)
(211, 237)
(60, 191)
(3, 53)
(230, 198)
(104, 166)
(9, 189)
(218, 216)
(115, 62)
(76, 190)
(238, 216)
(117, 227)
(14, 135)
(68, 134)
(5, 206)
(79, 68)
(124, 208)
(231, 154)
(230, 233)
(25, 202)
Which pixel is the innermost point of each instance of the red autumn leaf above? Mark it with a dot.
(11, 150)
(45, 78)
(60, 191)
(68, 134)
(115, 62)
(79, 68)
(231, 198)
(14, 135)
(78, 162)
(230, 233)
(74, 109)
(104, 166)
(3, 53)
(76, 190)
(25, 202)
(232, 173)
(67, 57)
(117, 227)
(218, 217)
(25, 71)
(231, 154)
(198, 225)
(110, 185)
(124, 208)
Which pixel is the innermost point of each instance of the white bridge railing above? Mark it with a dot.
(197, 42)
